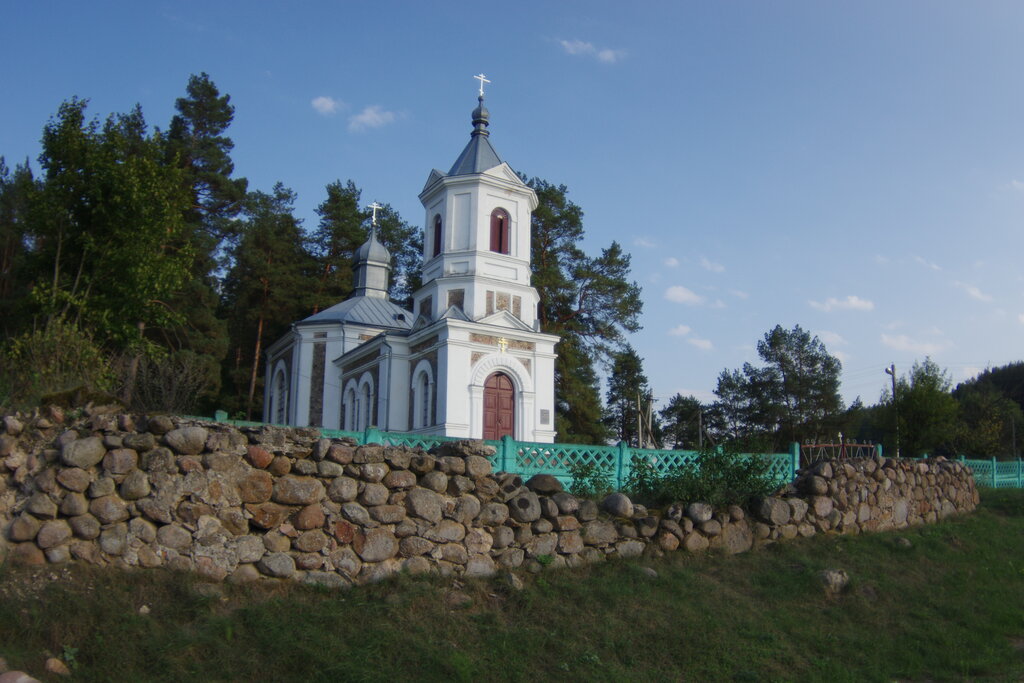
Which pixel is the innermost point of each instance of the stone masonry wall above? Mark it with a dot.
(247, 503)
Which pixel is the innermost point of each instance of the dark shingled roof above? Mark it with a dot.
(477, 157)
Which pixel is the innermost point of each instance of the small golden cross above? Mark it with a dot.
(503, 344)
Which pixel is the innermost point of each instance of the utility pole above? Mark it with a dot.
(639, 423)
(891, 371)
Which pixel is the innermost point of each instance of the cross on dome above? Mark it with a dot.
(482, 79)
(374, 206)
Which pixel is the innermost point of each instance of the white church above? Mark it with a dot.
(470, 360)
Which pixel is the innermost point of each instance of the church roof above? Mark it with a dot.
(364, 310)
(478, 155)
(373, 250)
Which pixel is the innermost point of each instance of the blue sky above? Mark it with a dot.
(854, 168)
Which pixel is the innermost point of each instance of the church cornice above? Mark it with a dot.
(474, 179)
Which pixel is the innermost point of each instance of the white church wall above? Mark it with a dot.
(462, 215)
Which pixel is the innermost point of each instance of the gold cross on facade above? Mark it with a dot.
(502, 344)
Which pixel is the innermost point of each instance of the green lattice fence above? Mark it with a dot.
(996, 474)
(526, 458)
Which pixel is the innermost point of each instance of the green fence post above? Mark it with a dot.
(878, 450)
(995, 482)
(508, 447)
(622, 465)
(794, 459)
(372, 435)
(1018, 473)
(220, 416)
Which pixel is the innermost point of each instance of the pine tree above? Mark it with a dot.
(589, 302)
(338, 235)
(266, 289)
(682, 422)
(196, 142)
(629, 392)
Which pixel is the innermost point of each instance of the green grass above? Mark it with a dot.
(947, 608)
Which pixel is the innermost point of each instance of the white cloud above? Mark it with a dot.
(672, 262)
(584, 49)
(881, 260)
(968, 372)
(702, 344)
(926, 263)
(902, 342)
(644, 242)
(843, 357)
(1020, 317)
(373, 116)
(701, 395)
(711, 265)
(829, 337)
(850, 303)
(1017, 185)
(327, 106)
(718, 303)
(682, 295)
(739, 294)
(973, 291)
(680, 331)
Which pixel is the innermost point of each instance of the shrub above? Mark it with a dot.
(169, 382)
(590, 481)
(51, 360)
(719, 476)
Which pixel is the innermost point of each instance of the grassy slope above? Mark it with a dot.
(947, 608)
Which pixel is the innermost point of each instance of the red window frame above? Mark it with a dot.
(500, 231)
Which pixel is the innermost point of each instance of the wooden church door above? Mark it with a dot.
(499, 406)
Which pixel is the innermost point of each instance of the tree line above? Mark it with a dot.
(793, 395)
(135, 262)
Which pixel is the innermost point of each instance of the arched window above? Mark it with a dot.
(364, 402)
(500, 231)
(349, 408)
(279, 397)
(437, 234)
(422, 393)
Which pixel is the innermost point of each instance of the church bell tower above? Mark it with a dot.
(476, 254)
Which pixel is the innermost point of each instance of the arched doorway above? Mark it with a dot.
(499, 406)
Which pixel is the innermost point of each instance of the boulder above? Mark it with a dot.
(834, 581)
(278, 565)
(290, 490)
(73, 479)
(83, 453)
(109, 509)
(525, 507)
(699, 512)
(774, 511)
(425, 504)
(53, 533)
(376, 545)
(599, 532)
(187, 440)
(617, 505)
(544, 484)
